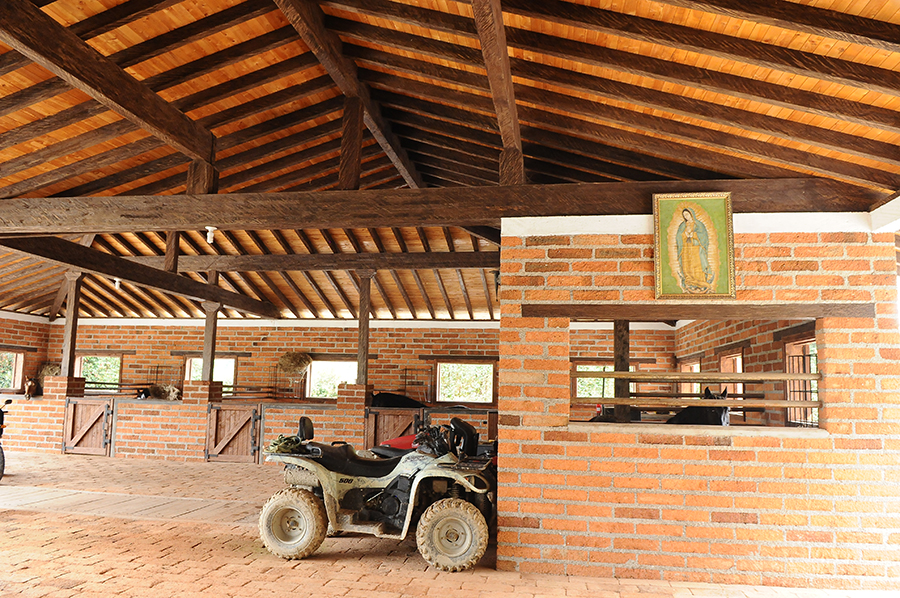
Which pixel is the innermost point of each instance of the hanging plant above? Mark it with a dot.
(294, 363)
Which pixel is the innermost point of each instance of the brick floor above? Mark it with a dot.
(104, 530)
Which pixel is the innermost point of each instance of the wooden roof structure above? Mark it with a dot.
(293, 146)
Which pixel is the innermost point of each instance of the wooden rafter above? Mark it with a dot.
(88, 260)
(25, 28)
(307, 18)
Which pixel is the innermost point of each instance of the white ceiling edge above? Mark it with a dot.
(886, 218)
(642, 224)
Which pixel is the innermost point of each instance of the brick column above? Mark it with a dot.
(533, 402)
(201, 392)
(350, 424)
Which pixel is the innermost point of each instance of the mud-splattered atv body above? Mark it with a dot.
(439, 490)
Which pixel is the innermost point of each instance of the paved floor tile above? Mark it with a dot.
(95, 526)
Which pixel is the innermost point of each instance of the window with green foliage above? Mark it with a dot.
(465, 382)
(323, 377)
(11, 370)
(597, 388)
(224, 369)
(99, 371)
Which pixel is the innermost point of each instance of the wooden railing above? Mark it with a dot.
(677, 400)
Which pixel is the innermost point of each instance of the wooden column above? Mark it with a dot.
(209, 332)
(362, 357)
(202, 178)
(351, 144)
(621, 349)
(70, 332)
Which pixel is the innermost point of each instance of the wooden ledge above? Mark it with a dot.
(666, 311)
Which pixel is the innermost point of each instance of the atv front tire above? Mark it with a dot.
(2, 462)
(293, 523)
(452, 535)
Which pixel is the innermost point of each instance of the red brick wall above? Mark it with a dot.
(30, 335)
(808, 508)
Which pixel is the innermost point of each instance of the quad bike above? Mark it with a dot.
(2, 415)
(442, 490)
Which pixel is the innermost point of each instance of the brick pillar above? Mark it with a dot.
(201, 392)
(37, 424)
(350, 424)
(533, 402)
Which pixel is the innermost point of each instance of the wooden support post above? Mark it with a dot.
(70, 332)
(202, 178)
(351, 144)
(365, 294)
(209, 332)
(621, 349)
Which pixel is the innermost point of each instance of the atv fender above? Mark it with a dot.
(438, 471)
(323, 476)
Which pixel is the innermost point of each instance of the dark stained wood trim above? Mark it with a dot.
(665, 311)
(25, 28)
(807, 329)
(18, 348)
(351, 144)
(486, 358)
(89, 260)
(308, 19)
(85, 241)
(185, 353)
(491, 31)
(477, 206)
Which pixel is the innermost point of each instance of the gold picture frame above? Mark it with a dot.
(694, 246)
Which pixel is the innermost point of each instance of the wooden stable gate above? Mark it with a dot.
(87, 426)
(232, 433)
(384, 423)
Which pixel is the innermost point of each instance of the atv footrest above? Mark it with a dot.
(346, 523)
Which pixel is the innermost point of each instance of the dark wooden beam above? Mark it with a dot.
(351, 144)
(808, 19)
(25, 28)
(664, 311)
(491, 31)
(70, 332)
(708, 43)
(362, 359)
(309, 21)
(477, 206)
(621, 350)
(84, 259)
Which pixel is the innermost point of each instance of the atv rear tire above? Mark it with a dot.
(452, 535)
(293, 523)
(2, 462)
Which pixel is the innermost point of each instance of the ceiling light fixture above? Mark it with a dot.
(117, 282)
(210, 234)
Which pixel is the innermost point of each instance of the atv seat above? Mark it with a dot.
(390, 451)
(343, 459)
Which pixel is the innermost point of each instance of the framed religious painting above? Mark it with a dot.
(694, 251)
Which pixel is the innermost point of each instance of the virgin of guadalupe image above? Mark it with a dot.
(692, 245)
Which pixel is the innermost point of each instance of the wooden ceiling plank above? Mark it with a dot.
(451, 175)
(127, 175)
(491, 31)
(268, 102)
(489, 177)
(408, 15)
(490, 140)
(398, 237)
(808, 19)
(444, 295)
(38, 128)
(787, 156)
(547, 147)
(328, 275)
(448, 155)
(191, 32)
(732, 117)
(25, 28)
(408, 207)
(379, 245)
(570, 175)
(707, 79)
(307, 18)
(321, 173)
(68, 146)
(286, 248)
(415, 133)
(245, 175)
(312, 112)
(62, 173)
(233, 241)
(746, 51)
(118, 16)
(90, 260)
(369, 57)
(465, 293)
(669, 150)
(262, 247)
(432, 108)
(634, 162)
